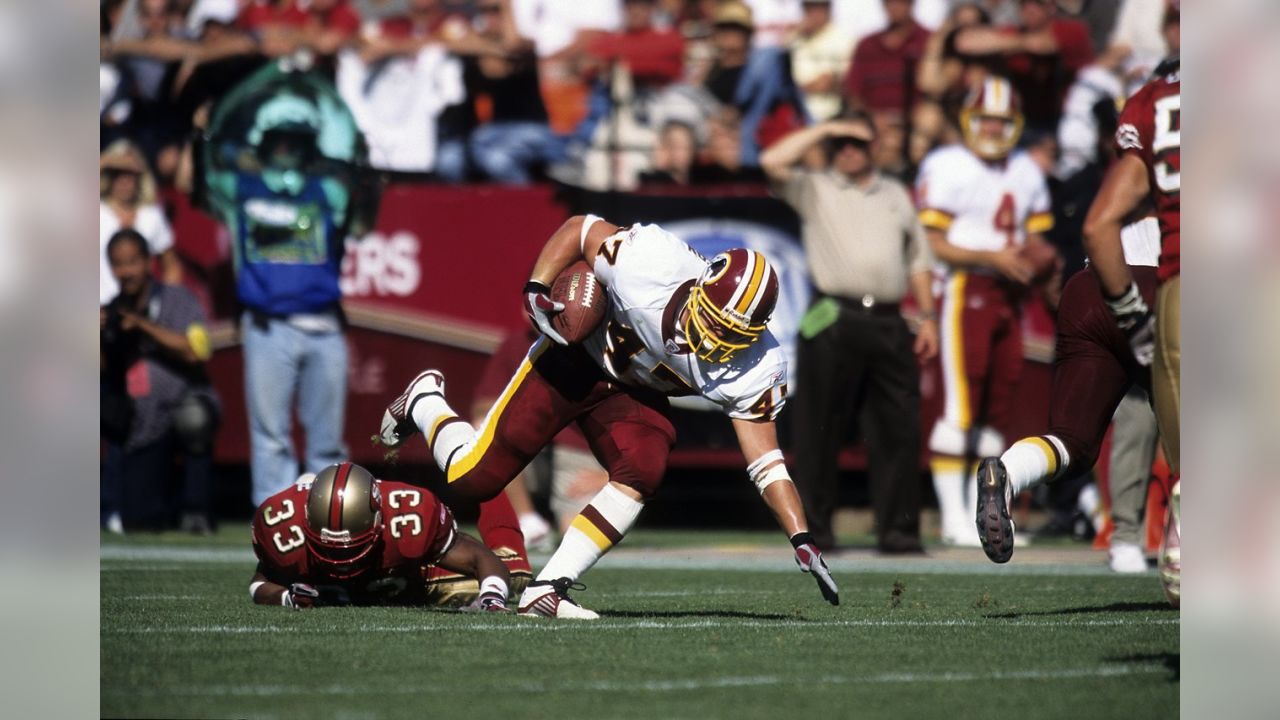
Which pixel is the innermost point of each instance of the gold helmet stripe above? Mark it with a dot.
(752, 287)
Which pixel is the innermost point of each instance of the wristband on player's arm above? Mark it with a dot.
(1129, 303)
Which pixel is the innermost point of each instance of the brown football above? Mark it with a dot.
(584, 302)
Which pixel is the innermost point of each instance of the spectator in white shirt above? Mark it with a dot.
(127, 199)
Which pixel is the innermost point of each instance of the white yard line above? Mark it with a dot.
(648, 560)
(537, 625)
(747, 681)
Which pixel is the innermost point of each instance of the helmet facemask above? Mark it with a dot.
(344, 520)
(729, 306)
(991, 99)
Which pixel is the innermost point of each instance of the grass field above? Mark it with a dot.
(706, 625)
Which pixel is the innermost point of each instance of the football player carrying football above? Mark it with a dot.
(1149, 169)
(676, 325)
(343, 537)
(980, 204)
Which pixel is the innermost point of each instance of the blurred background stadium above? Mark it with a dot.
(486, 123)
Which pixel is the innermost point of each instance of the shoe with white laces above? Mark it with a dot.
(550, 598)
(994, 522)
(1170, 564)
(397, 420)
(1127, 558)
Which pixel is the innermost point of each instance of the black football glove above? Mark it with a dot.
(302, 595)
(809, 558)
(540, 307)
(1136, 321)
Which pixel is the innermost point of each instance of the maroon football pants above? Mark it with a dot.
(626, 428)
(1093, 367)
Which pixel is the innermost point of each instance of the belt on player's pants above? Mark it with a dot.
(868, 305)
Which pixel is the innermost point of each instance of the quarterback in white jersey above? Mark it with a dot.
(982, 204)
(678, 324)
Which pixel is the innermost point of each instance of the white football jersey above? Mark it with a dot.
(981, 205)
(647, 272)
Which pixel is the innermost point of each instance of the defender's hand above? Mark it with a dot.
(487, 602)
(809, 558)
(300, 595)
(540, 307)
(1137, 322)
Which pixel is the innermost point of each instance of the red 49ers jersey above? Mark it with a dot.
(417, 531)
(1151, 128)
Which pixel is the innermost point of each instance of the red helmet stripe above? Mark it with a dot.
(335, 497)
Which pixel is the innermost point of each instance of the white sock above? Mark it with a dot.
(433, 416)
(600, 526)
(1034, 460)
(949, 485)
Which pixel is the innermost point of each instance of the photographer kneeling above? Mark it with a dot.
(156, 397)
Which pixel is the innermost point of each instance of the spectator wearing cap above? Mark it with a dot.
(127, 199)
(865, 250)
(757, 82)
(1041, 55)
(819, 58)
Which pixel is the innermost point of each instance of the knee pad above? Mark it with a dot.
(948, 439)
(194, 423)
(990, 442)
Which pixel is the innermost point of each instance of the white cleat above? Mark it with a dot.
(397, 419)
(1127, 558)
(550, 598)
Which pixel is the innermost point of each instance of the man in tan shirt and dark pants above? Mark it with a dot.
(865, 248)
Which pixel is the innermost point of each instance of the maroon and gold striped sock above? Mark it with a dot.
(600, 526)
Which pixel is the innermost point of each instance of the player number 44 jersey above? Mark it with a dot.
(982, 205)
(1151, 128)
(647, 273)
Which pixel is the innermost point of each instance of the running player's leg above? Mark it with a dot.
(500, 530)
(1166, 369)
(632, 437)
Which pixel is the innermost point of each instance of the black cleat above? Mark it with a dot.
(995, 525)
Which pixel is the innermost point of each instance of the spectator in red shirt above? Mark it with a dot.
(1041, 57)
(881, 77)
(285, 26)
(655, 57)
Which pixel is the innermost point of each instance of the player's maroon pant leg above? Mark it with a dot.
(552, 386)
(631, 436)
(1093, 367)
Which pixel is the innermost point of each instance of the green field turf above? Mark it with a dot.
(685, 635)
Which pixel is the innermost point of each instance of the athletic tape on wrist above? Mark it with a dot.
(253, 589)
(1130, 302)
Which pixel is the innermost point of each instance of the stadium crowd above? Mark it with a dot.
(626, 94)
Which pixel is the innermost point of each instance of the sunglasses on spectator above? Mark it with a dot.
(836, 144)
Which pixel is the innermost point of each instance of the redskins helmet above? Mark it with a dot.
(994, 97)
(344, 519)
(730, 304)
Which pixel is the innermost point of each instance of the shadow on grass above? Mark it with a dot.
(737, 614)
(1122, 607)
(1170, 661)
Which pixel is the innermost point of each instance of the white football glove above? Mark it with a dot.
(540, 307)
(809, 558)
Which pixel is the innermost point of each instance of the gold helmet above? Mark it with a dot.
(730, 304)
(992, 98)
(344, 519)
